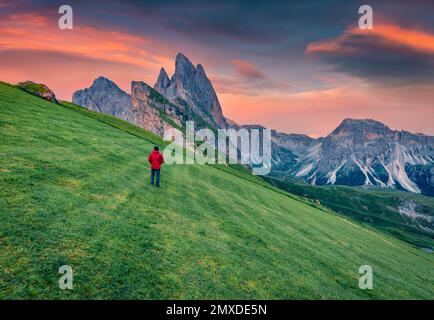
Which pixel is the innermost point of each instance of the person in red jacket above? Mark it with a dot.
(156, 160)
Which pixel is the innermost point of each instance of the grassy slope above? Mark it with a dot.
(75, 191)
(375, 208)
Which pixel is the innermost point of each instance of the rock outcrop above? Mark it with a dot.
(38, 89)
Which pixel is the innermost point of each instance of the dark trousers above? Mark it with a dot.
(156, 173)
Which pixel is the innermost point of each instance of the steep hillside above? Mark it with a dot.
(74, 190)
(407, 216)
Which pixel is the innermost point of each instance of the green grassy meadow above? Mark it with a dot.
(74, 189)
(376, 208)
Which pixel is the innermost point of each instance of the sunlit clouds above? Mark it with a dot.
(266, 63)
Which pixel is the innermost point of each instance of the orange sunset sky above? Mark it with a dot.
(268, 63)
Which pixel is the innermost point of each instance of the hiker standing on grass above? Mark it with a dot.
(156, 160)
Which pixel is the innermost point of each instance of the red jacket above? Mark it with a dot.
(156, 160)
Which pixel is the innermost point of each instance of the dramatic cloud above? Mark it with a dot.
(30, 19)
(389, 54)
(297, 66)
(248, 79)
(65, 72)
(318, 112)
(32, 31)
(33, 48)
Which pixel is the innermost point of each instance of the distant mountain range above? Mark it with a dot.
(356, 153)
(360, 152)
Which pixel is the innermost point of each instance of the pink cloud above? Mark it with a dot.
(416, 39)
(247, 69)
(32, 19)
(318, 112)
(34, 48)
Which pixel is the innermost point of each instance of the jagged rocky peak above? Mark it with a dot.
(105, 83)
(106, 97)
(102, 80)
(361, 128)
(183, 67)
(100, 85)
(356, 124)
(200, 71)
(163, 81)
(190, 86)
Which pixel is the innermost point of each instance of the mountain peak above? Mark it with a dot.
(106, 97)
(184, 67)
(350, 121)
(191, 85)
(103, 83)
(102, 79)
(353, 125)
(181, 57)
(163, 81)
(200, 69)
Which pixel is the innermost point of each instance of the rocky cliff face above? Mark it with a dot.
(365, 152)
(152, 111)
(106, 97)
(189, 95)
(191, 88)
(145, 107)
